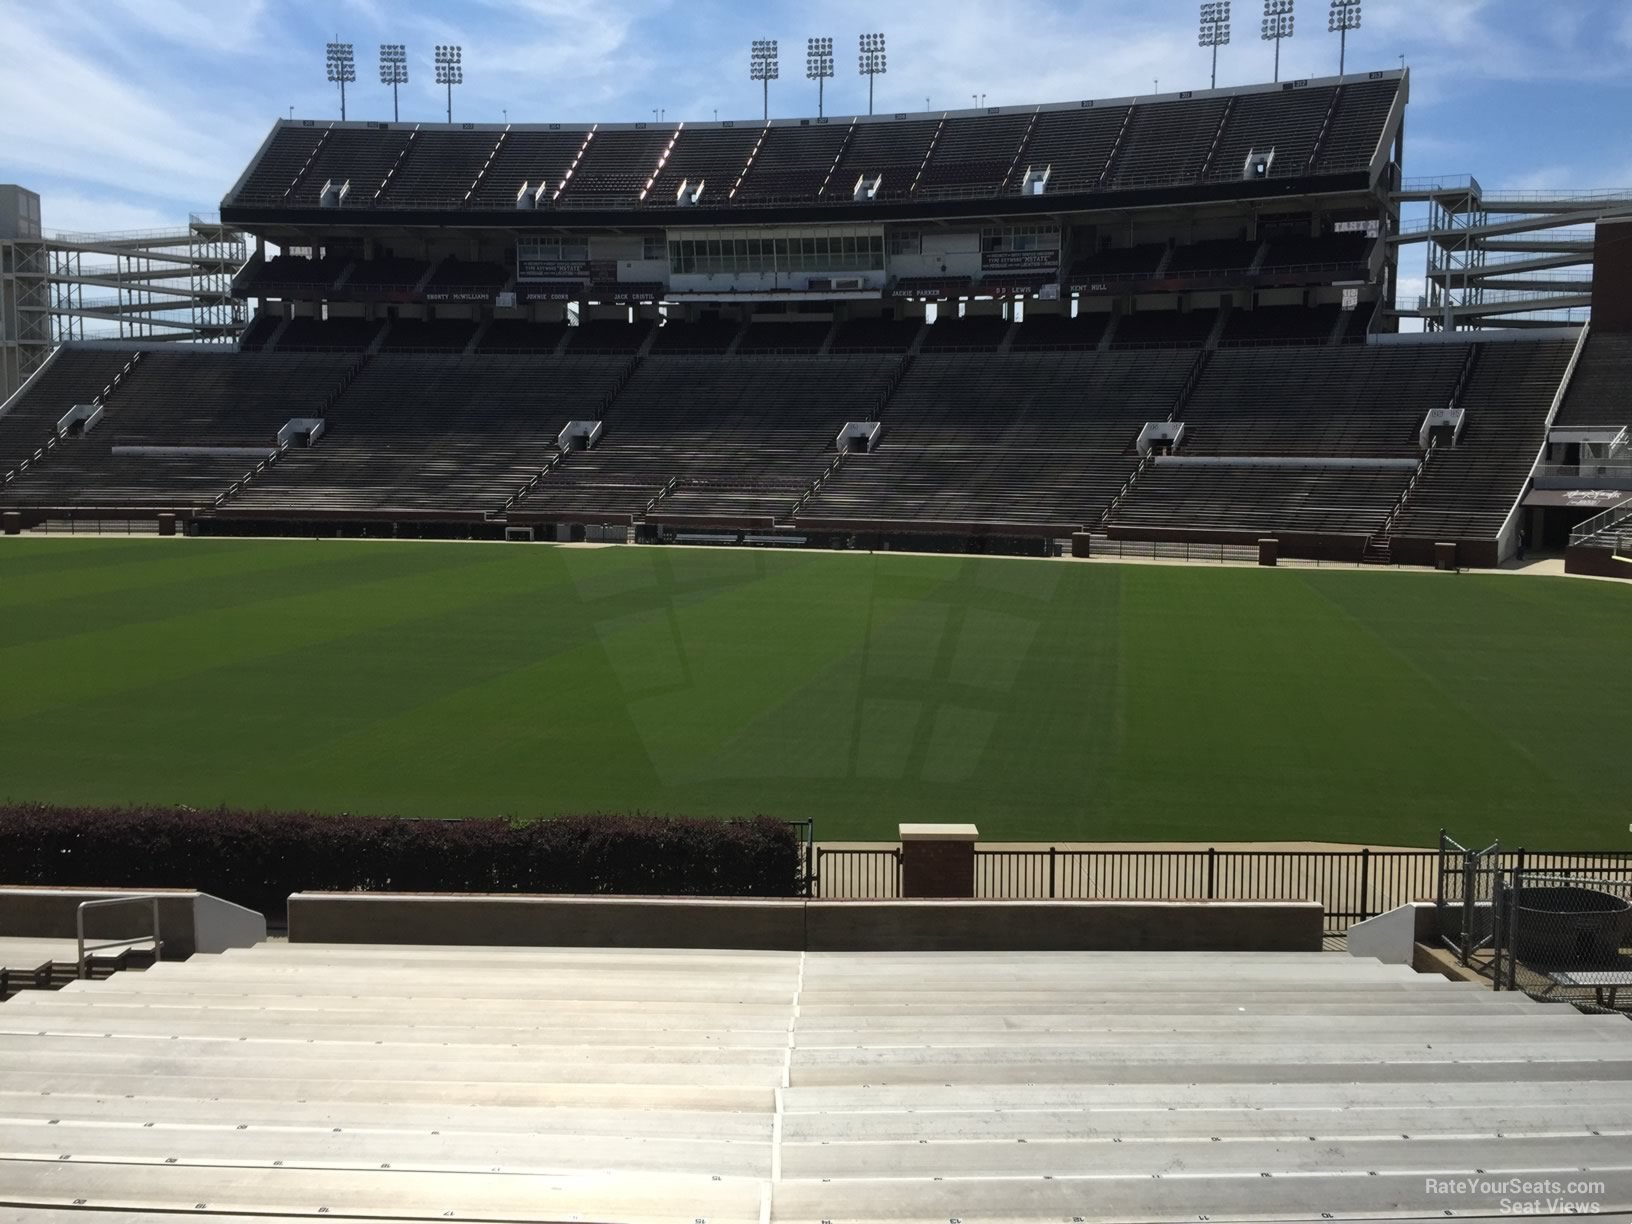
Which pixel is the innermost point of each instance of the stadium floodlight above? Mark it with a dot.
(1278, 19)
(1345, 16)
(819, 66)
(874, 64)
(1215, 30)
(393, 71)
(450, 70)
(342, 69)
(764, 67)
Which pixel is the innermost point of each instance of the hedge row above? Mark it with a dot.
(257, 859)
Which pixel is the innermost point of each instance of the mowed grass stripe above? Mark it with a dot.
(99, 653)
(1043, 701)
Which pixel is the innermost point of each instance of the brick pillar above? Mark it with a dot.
(11, 522)
(938, 860)
(1269, 551)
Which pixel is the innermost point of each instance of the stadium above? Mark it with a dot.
(920, 666)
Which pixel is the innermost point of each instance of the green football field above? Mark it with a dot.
(1040, 700)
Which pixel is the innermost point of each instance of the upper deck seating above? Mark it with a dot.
(974, 156)
(1074, 146)
(792, 164)
(536, 159)
(1355, 136)
(1288, 123)
(1167, 143)
(286, 155)
(362, 157)
(710, 158)
(892, 152)
(615, 166)
(439, 169)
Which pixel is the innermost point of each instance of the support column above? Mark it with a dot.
(938, 860)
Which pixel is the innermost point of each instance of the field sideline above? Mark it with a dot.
(1041, 700)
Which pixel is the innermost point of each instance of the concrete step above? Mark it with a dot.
(651, 1199)
(338, 1148)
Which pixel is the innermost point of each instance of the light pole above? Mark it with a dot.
(819, 66)
(764, 67)
(342, 69)
(1278, 21)
(1345, 16)
(1215, 30)
(450, 70)
(874, 64)
(393, 71)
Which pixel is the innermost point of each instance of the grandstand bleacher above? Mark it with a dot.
(1322, 129)
(715, 437)
(1242, 319)
(403, 1082)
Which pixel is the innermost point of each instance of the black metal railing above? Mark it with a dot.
(1352, 885)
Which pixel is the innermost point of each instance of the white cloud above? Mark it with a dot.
(71, 115)
(74, 212)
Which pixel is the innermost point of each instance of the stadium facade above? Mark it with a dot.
(1161, 318)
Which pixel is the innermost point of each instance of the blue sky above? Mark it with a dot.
(128, 114)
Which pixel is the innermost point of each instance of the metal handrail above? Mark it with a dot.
(1598, 524)
(82, 964)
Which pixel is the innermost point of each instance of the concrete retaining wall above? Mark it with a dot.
(189, 922)
(795, 925)
(540, 921)
(1061, 926)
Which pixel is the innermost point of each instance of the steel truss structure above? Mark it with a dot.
(153, 285)
(1504, 258)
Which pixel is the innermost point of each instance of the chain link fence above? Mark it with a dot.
(1565, 937)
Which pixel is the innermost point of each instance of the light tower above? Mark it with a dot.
(1278, 20)
(874, 64)
(393, 71)
(450, 70)
(1345, 16)
(764, 67)
(1215, 30)
(819, 66)
(342, 70)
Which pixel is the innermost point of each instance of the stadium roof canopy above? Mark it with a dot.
(1285, 139)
